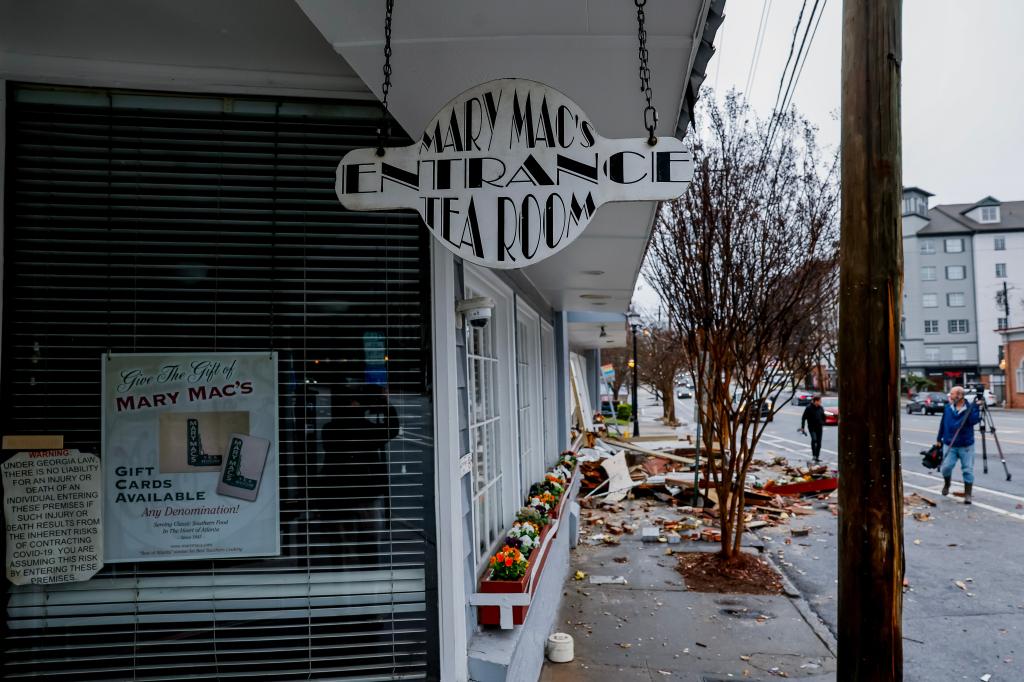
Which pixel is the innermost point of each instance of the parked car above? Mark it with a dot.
(831, 406)
(804, 398)
(765, 413)
(927, 402)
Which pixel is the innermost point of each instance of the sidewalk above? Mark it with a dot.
(653, 628)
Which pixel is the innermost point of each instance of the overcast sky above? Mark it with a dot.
(963, 88)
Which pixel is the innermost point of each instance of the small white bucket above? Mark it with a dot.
(560, 647)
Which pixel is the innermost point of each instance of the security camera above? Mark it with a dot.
(477, 310)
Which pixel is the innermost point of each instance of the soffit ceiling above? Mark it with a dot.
(585, 48)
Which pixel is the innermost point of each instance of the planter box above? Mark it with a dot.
(491, 615)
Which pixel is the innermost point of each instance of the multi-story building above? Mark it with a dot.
(958, 288)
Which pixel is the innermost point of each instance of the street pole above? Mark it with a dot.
(636, 414)
(871, 559)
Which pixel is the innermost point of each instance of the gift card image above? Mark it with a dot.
(194, 442)
(242, 470)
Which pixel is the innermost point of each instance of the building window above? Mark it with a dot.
(955, 299)
(931, 354)
(956, 272)
(953, 245)
(1000, 300)
(929, 300)
(928, 273)
(958, 326)
(487, 435)
(1000, 269)
(1000, 243)
(1001, 323)
(927, 247)
(959, 353)
(990, 214)
(1020, 378)
(931, 326)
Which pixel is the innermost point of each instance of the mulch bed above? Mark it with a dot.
(744, 574)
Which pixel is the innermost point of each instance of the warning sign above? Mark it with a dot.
(52, 507)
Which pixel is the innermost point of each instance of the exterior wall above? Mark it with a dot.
(913, 329)
(1014, 362)
(943, 342)
(987, 286)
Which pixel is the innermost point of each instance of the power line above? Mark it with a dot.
(791, 87)
(762, 26)
(813, 33)
(794, 75)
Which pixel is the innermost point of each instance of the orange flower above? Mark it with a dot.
(508, 561)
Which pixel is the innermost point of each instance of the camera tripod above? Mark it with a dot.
(987, 424)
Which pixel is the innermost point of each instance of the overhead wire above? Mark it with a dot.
(755, 58)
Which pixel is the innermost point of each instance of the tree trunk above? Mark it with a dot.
(870, 485)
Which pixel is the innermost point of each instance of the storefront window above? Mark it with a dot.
(144, 223)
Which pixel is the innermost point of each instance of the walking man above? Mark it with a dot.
(956, 432)
(814, 419)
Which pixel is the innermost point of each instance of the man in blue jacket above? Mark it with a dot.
(956, 432)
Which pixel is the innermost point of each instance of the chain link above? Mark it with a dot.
(650, 113)
(384, 126)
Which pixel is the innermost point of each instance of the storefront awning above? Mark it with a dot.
(585, 48)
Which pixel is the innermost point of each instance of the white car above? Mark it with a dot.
(990, 397)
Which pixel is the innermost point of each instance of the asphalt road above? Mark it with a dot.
(950, 632)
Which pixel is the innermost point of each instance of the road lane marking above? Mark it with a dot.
(998, 493)
(937, 491)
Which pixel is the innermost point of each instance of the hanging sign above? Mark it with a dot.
(52, 517)
(510, 172)
(190, 456)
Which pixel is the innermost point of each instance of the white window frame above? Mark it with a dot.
(1002, 322)
(529, 397)
(932, 354)
(963, 272)
(549, 399)
(925, 298)
(958, 326)
(958, 241)
(1001, 270)
(999, 243)
(927, 247)
(494, 500)
(928, 273)
(931, 326)
(989, 214)
(1019, 388)
(950, 300)
(958, 353)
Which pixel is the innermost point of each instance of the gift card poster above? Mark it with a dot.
(168, 423)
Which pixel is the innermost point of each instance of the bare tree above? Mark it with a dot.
(745, 264)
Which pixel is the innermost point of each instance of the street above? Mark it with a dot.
(963, 611)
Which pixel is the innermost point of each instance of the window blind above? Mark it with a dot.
(142, 222)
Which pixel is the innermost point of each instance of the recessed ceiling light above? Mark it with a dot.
(593, 272)
(595, 297)
(598, 303)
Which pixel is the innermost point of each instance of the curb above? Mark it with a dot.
(804, 607)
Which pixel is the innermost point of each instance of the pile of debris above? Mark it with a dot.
(614, 471)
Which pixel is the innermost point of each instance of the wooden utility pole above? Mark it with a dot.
(870, 288)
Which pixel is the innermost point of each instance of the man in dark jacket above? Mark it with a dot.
(814, 419)
(956, 432)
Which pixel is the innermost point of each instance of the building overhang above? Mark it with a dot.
(587, 49)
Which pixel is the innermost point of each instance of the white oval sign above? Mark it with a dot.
(510, 172)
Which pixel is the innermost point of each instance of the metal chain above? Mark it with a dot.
(650, 113)
(384, 127)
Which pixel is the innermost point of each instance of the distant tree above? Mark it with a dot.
(745, 263)
(661, 358)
